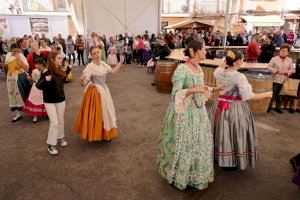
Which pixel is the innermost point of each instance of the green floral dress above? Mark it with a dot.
(185, 144)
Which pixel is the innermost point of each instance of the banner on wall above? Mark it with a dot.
(4, 28)
(39, 25)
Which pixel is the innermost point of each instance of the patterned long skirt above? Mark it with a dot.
(235, 135)
(185, 148)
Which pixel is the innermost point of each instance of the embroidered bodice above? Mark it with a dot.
(98, 79)
(237, 85)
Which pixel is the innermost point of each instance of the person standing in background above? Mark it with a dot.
(253, 49)
(79, 44)
(139, 47)
(23, 46)
(267, 50)
(62, 41)
(120, 46)
(43, 46)
(70, 49)
(290, 37)
(278, 40)
(36, 53)
(281, 68)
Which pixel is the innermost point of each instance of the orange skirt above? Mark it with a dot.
(89, 122)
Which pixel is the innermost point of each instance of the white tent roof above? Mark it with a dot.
(269, 20)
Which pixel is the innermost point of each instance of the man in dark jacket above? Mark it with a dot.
(161, 51)
(267, 50)
(278, 40)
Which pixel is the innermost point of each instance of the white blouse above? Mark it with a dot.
(231, 79)
(94, 69)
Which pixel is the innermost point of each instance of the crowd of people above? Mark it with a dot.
(37, 68)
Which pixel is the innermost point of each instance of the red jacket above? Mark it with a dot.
(30, 59)
(290, 38)
(253, 52)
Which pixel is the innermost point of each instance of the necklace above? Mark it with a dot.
(196, 66)
(96, 62)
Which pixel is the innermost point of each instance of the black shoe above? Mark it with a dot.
(229, 169)
(153, 84)
(269, 110)
(278, 111)
(15, 119)
(291, 111)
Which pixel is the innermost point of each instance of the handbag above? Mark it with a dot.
(296, 178)
(290, 87)
(150, 63)
(295, 161)
(81, 48)
(24, 84)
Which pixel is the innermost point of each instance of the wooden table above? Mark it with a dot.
(208, 66)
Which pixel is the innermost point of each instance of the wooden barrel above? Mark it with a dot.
(163, 75)
(210, 79)
(261, 81)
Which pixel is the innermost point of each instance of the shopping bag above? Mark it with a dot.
(290, 87)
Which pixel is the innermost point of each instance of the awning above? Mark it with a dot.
(291, 16)
(269, 20)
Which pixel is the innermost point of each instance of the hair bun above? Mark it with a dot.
(231, 55)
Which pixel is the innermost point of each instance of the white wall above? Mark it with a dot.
(19, 25)
(111, 17)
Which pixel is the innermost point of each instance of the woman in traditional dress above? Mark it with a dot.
(185, 144)
(96, 120)
(18, 85)
(233, 125)
(34, 105)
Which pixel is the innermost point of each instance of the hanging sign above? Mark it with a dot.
(39, 25)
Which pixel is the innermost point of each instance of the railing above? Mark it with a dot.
(210, 6)
(175, 6)
(193, 6)
(37, 5)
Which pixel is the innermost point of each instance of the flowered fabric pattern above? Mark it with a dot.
(185, 144)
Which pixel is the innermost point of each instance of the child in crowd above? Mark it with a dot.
(146, 52)
(66, 67)
(34, 105)
(112, 56)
